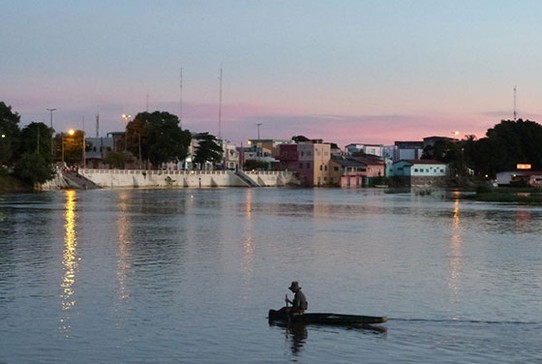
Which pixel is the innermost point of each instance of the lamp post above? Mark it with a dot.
(70, 132)
(139, 144)
(126, 117)
(51, 121)
(258, 144)
(84, 151)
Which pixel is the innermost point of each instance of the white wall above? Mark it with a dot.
(118, 178)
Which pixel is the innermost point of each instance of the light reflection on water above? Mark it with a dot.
(188, 275)
(69, 260)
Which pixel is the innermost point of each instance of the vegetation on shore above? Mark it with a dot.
(11, 184)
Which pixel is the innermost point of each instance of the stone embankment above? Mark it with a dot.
(120, 178)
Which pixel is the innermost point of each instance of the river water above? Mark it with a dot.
(188, 275)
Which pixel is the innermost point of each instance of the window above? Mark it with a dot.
(308, 164)
(300, 165)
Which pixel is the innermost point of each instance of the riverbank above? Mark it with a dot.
(9, 184)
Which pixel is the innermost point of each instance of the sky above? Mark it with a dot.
(345, 71)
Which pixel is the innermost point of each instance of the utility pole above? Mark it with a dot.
(258, 143)
(220, 106)
(52, 132)
(181, 98)
(515, 112)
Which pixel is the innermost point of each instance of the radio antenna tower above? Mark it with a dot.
(97, 125)
(181, 98)
(515, 110)
(220, 106)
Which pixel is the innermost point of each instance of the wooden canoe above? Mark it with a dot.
(325, 319)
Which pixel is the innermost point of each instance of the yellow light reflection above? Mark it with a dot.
(248, 245)
(69, 258)
(123, 241)
(523, 219)
(456, 242)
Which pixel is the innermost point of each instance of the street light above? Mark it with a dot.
(70, 132)
(84, 151)
(51, 112)
(258, 143)
(51, 120)
(126, 117)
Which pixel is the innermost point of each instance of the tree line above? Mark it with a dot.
(30, 153)
(507, 144)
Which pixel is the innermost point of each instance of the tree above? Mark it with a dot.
(449, 151)
(34, 168)
(9, 134)
(208, 149)
(117, 159)
(157, 137)
(507, 144)
(37, 137)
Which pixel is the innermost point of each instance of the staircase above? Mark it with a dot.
(76, 181)
(249, 181)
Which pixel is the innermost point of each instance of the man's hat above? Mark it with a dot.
(294, 285)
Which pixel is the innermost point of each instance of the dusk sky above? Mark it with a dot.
(346, 71)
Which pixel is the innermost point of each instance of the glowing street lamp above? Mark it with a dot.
(126, 118)
(70, 133)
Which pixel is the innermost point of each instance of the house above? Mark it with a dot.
(420, 172)
(520, 178)
(349, 171)
(231, 155)
(309, 159)
(346, 172)
(374, 166)
(313, 163)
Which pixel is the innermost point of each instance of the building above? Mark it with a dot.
(347, 171)
(230, 156)
(309, 159)
(404, 150)
(372, 149)
(313, 163)
(520, 178)
(96, 151)
(424, 172)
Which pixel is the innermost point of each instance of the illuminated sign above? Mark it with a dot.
(523, 166)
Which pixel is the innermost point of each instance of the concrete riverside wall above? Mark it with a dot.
(119, 178)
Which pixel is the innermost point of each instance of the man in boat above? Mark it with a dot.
(299, 303)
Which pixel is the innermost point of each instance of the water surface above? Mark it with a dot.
(177, 275)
